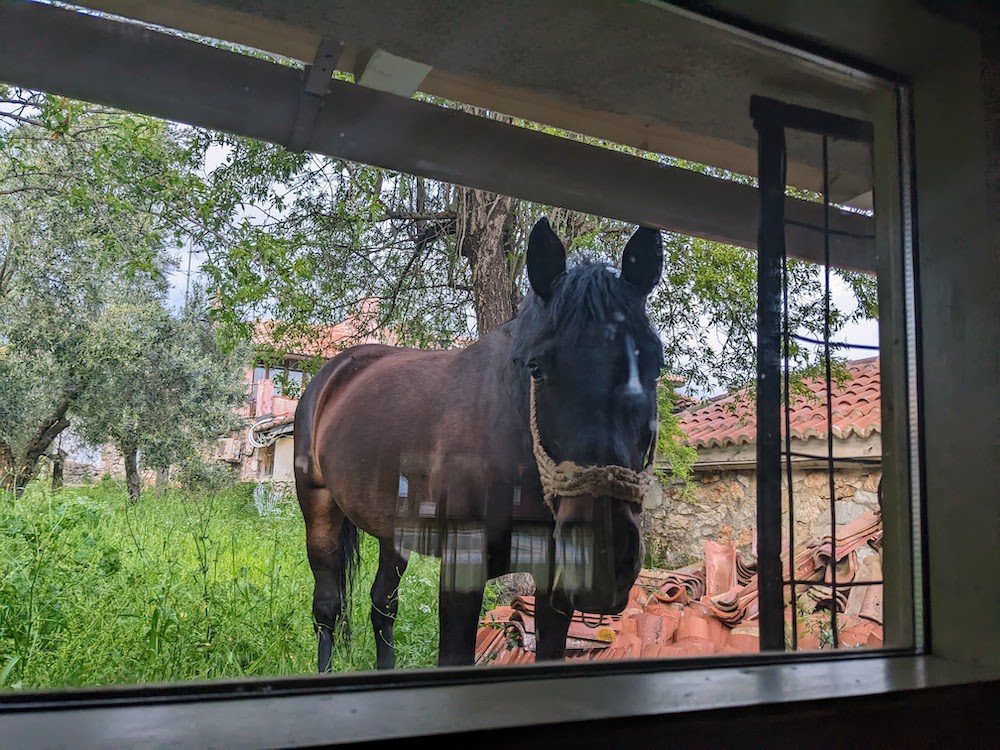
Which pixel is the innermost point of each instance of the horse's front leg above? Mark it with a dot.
(460, 598)
(458, 617)
(552, 616)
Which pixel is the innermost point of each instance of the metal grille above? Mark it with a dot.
(774, 122)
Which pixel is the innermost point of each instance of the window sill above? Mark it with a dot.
(325, 714)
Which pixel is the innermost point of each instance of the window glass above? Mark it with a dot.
(490, 423)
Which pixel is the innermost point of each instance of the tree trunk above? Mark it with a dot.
(162, 479)
(130, 452)
(58, 461)
(17, 470)
(484, 224)
(8, 469)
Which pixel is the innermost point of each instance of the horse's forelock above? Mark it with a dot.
(588, 294)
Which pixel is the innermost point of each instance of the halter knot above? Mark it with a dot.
(568, 479)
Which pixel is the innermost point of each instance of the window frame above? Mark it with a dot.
(111, 709)
(394, 706)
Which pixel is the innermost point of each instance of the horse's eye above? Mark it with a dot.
(535, 369)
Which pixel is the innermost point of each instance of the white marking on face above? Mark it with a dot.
(634, 386)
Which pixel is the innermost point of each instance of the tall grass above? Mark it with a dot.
(94, 591)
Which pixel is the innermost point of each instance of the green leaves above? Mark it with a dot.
(205, 589)
(91, 202)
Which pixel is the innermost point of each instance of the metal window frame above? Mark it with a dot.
(899, 344)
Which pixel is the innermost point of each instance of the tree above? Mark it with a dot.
(306, 239)
(162, 388)
(89, 202)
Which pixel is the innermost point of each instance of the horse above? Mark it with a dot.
(528, 450)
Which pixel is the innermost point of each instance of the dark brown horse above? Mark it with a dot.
(430, 451)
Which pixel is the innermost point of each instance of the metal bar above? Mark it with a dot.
(814, 121)
(787, 343)
(838, 232)
(840, 344)
(843, 585)
(317, 83)
(913, 374)
(134, 68)
(846, 459)
(771, 251)
(829, 387)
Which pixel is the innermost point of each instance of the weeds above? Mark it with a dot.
(183, 586)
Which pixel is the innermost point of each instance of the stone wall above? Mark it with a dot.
(79, 472)
(113, 464)
(721, 505)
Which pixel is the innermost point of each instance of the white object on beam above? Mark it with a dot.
(863, 202)
(392, 74)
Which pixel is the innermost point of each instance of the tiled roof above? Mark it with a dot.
(304, 341)
(711, 607)
(325, 341)
(731, 419)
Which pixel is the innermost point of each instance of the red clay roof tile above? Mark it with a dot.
(731, 419)
(721, 624)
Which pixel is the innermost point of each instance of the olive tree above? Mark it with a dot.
(162, 389)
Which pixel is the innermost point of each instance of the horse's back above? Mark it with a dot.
(438, 422)
(332, 377)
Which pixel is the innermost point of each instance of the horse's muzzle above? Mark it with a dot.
(597, 562)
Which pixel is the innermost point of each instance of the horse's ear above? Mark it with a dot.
(546, 258)
(642, 261)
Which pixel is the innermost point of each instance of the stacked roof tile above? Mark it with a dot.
(711, 607)
(731, 419)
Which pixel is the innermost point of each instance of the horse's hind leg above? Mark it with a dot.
(385, 602)
(329, 562)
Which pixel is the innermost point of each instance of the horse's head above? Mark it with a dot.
(592, 360)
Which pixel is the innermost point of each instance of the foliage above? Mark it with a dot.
(94, 591)
(309, 239)
(90, 201)
(108, 183)
(163, 388)
(672, 448)
(196, 474)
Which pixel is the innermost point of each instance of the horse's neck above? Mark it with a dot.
(490, 360)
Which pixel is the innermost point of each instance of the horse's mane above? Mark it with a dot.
(589, 293)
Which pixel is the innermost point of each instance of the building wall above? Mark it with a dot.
(79, 472)
(721, 505)
(284, 460)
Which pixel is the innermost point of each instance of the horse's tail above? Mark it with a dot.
(349, 550)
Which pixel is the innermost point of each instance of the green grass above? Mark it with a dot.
(94, 591)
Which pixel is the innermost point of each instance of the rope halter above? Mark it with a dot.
(567, 479)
